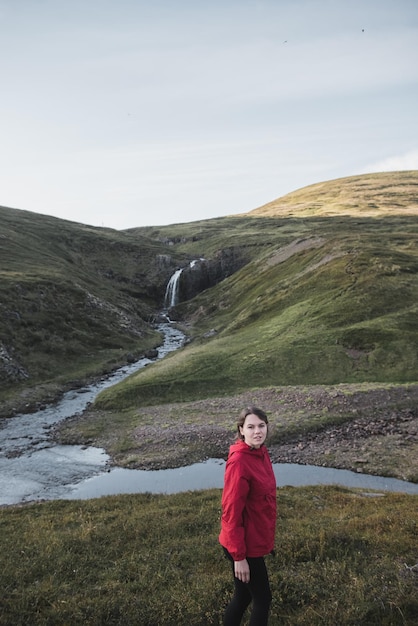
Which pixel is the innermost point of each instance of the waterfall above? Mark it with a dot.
(172, 292)
(171, 297)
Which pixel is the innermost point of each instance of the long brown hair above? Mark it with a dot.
(250, 410)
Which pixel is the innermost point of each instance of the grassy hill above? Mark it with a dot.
(329, 295)
(342, 558)
(74, 300)
(371, 195)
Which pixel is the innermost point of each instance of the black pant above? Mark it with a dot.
(257, 590)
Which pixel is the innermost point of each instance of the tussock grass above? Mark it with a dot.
(155, 560)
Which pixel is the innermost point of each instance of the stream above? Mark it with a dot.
(33, 467)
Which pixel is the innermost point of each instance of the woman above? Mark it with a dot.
(249, 518)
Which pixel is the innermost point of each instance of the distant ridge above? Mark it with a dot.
(368, 195)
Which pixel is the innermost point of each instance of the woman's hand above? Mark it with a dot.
(242, 570)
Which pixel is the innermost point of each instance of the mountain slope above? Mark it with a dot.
(326, 292)
(369, 195)
(323, 299)
(74, 299)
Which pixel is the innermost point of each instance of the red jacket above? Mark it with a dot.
(248, 520)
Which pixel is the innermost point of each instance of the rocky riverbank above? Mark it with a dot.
(365, 428)
(382, 446)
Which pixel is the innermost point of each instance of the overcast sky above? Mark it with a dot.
(124, 113)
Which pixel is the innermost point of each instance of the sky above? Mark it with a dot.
(125, 113)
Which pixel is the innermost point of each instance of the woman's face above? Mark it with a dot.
(254, 431)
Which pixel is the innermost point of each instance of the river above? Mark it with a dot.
(33, 467)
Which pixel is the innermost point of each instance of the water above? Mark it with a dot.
(210, 473)
(32, 467)
(171, 294)
(172, 297)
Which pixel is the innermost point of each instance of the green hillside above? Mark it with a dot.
(317, 323)
(329, 295)
(75, 300)
(327, 292)
(371, 195)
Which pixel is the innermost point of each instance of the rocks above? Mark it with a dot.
(206, 273)
(10, 369)
(158, 447)
(151, 354)
(211, 333)
(388, 445)
(358, 429)
(163, 261)
(310, 425)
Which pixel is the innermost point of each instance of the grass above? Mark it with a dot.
(289, 324)
(75, 300)
(367, 195)
(335, 424)
(155, 560)
(327, 294)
